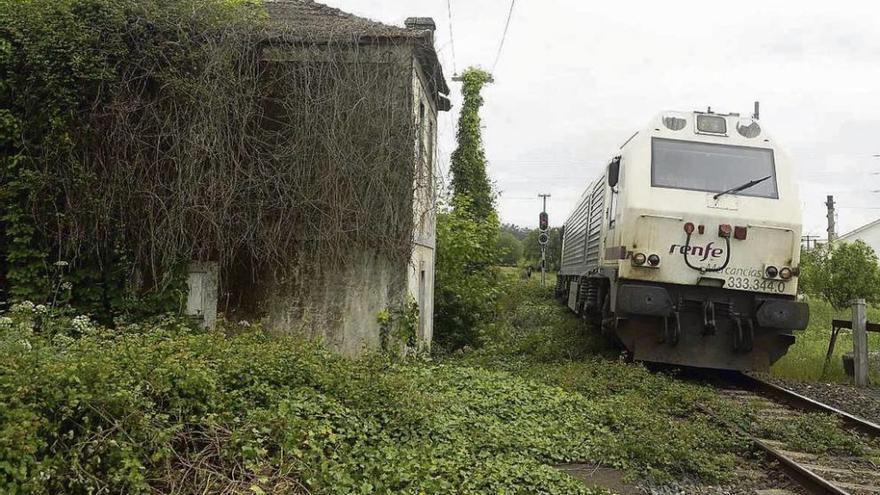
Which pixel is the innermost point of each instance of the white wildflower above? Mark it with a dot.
(82, 324)
(22, 307)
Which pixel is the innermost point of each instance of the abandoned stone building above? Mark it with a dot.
(342, 307)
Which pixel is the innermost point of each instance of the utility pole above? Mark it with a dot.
(543, 238)
(832, 234)
(809, 241)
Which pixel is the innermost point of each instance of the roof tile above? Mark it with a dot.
(310, 20)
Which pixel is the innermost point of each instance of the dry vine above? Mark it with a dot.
(275, 158)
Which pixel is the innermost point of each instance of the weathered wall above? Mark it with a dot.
(340, 310)
(420, 283)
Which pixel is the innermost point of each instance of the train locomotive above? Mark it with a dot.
(687, 246)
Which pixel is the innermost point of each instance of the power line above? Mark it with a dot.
(504, 35)
(451, 39)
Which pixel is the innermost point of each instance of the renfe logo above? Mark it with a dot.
(705, 252)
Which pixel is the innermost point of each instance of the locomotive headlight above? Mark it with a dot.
(712, 123)
(771, 272)
(653, 260)
(785, 273)
(674, 123)
(748, 128)
(639, 259)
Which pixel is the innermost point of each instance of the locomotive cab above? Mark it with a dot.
(688, 247)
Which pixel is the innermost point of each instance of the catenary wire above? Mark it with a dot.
(451, 38)
(504, 35)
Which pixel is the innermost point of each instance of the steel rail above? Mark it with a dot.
(810, 481)
(805, 403)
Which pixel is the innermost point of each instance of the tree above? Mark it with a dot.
(509, 249)
(519, 232)
(532, 250)
(841, 272)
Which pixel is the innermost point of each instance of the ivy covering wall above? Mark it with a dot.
(136, 136)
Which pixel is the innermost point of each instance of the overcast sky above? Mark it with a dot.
(576, 78)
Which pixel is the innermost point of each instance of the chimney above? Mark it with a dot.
(421, 24)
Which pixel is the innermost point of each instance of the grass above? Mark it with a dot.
(806, 358)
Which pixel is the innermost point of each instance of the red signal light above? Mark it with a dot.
(543, 221)
(689, 228)
(740, 233)
(724, 230)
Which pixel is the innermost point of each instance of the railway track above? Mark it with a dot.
(825, 474)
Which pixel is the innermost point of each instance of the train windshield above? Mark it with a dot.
(712, 167)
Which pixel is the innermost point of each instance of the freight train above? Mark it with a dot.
(687, 246)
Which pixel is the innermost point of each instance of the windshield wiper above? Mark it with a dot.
(742, 187)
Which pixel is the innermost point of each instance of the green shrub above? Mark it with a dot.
(466, 281)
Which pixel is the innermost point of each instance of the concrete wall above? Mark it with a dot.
(341, 310)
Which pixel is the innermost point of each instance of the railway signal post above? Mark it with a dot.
(543, 238)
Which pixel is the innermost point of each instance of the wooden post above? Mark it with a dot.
(860, 343)
(828, 355)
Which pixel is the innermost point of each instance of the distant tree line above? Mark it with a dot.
(519, 246)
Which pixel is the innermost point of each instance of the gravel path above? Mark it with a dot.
(862, 402)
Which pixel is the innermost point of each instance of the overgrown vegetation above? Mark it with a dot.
(136, 136)
(805, 360)
(665, 432)
(467, 232)
(831, 277)
(159, 407)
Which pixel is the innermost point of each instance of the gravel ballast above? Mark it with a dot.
(862, 402)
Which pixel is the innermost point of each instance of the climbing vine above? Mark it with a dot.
(468, 167)
(139, 135)
(467, 232)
